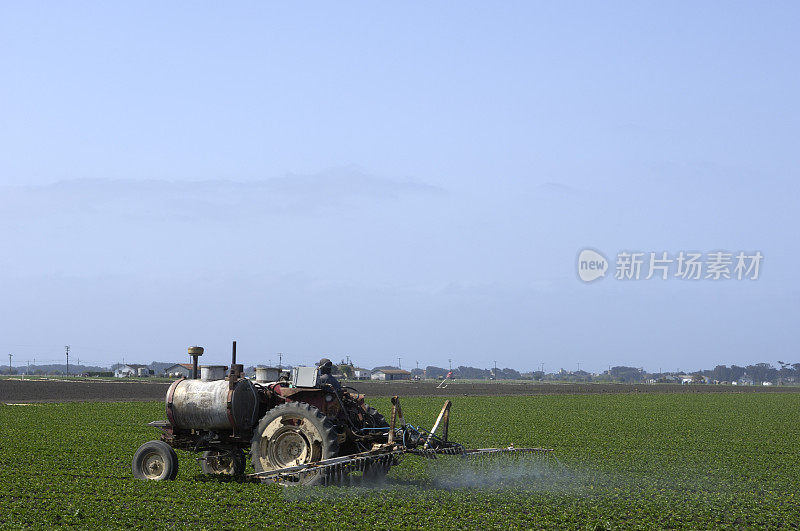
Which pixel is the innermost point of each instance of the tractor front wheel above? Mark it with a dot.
(294, 434)
(155, 460)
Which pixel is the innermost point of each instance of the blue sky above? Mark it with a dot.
(378, 182)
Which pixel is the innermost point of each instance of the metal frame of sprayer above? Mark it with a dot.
(402, 440)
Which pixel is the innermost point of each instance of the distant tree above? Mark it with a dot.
(737, 372)
(435, 372)
(473, 373)
(627, 374)
(345, 369)
(786, 370)
(722, 373)
(762, 372)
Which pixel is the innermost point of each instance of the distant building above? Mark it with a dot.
(361, 374)
(178, 370)
(132, 369)
(391, 374)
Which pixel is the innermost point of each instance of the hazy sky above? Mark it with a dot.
(353, 179)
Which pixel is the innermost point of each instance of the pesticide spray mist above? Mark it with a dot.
(416, 477)
(497, 472)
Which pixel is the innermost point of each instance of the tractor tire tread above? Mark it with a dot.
(323, 423)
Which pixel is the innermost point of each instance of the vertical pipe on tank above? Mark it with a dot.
(195, 352)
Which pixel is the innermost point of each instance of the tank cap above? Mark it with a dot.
(195, 351)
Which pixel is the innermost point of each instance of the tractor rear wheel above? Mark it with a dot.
(155, 460)
(293, 434)
(229, 462)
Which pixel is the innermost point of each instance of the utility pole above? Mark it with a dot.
(417, 365)
(66, 348)
(280, 360)
(9, 364)
(450, 361)
(398, 363)
(579, 365)
(495, 370)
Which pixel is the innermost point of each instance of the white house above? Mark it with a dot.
(131, 369)
(361, 374)
(391, 374)
(178, 370)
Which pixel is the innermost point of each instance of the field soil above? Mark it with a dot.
(43, 390)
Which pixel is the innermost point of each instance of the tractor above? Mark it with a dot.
(303, 428)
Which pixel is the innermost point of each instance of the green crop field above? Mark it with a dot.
(652, 461)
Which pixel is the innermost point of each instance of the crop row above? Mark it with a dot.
(623, 461)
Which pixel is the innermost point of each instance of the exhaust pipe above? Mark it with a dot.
(237, 370)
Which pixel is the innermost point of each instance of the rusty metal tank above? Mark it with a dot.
(195, 404)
